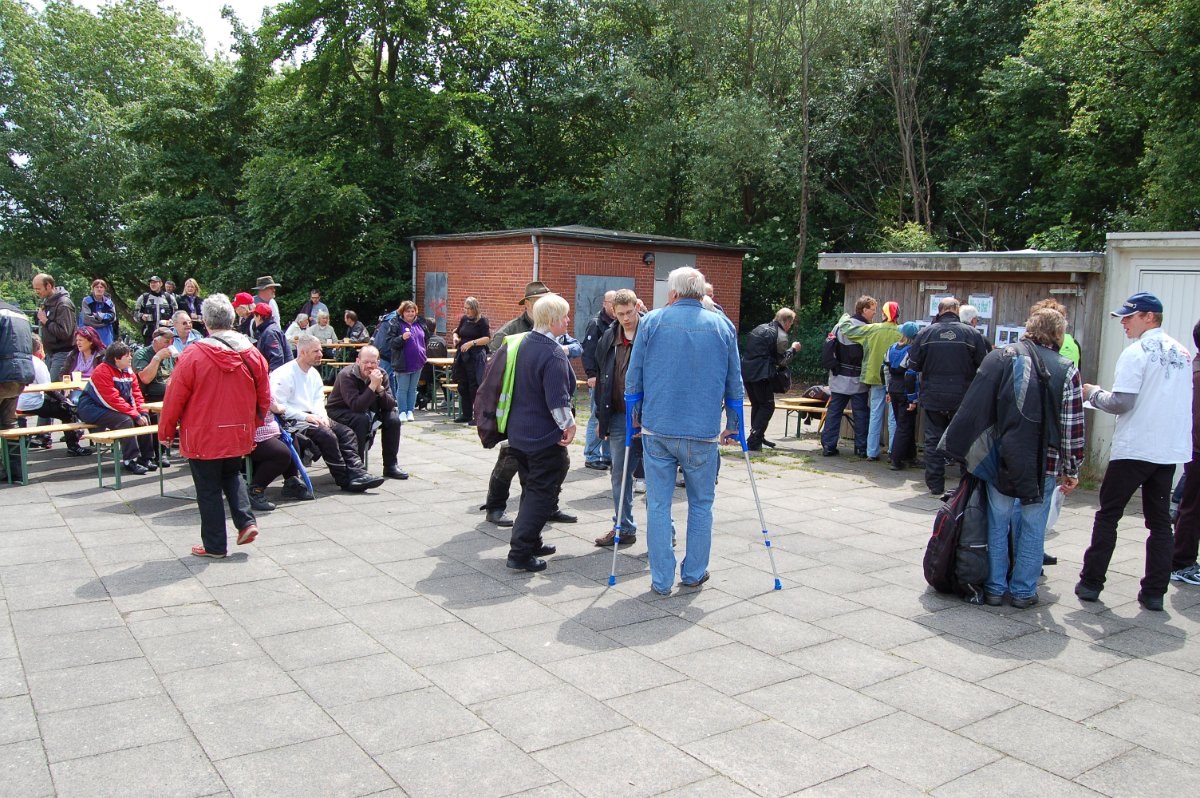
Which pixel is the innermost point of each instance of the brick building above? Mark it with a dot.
(579, 263)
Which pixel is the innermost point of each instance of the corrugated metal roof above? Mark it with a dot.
(583, 232)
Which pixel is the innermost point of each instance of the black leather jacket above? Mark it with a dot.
(946, 354)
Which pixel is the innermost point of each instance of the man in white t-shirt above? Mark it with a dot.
(298, 387)
(1152, 400)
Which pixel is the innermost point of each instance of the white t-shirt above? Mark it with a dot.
(301, 393)
(33, 401)
(1158, 429)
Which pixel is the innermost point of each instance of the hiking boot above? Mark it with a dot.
(1023, 603)
(258, 499)
(992, 600)
(75, 450)
(1152, 603)
(1189, 575)
(499, 518)
(606, 541)
(1086, 593)
(294, 488)
(362, 482)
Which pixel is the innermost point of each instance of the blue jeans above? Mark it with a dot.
(879, 417)
(405, 387)
(832, 430)
(698, 459)
(616, 440)
(594, 449)
(1028, 539)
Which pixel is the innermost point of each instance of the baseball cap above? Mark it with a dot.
(242, 299)
(262, 309)
(1141, 302)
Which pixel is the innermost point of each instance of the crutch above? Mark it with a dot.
(738, 408)
(629, 400)
(287, 439)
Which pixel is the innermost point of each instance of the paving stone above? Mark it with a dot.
(1017, 777)
(177, 768)
(1165, 649)
(227, 642)
(23, 769)
(489, 676)
(164, 621)
(17, 720)
(549, 642)
(360, 679)
(959, 657)
(78, 648)
(404, 720)
(617, 672)
(857, 783)
(1139, 772)
(733, 668)
(1156, 682)
(849, 663)
(1063, 653)
(55, 594)
(75, 733)
(661, 638)
(772, 759)
(875, 628)
(611, 609)
(1072, 697)
(815, 706)
(479, 765)
(12, 678)
(397, 615)
(309, 647)
(913, 750)
(1164, 729)
(228, 730)
(328, 766)
(709, 712)
(227, 683)
(1046, 741)
(445, 642)
(647, 765)
(366, 590)
(547, 717)
(987, 628)
(944, 700)
(291, 616)
(772, 633)
(65, 619)
(90, 685)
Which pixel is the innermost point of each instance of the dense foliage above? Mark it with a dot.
(338, 127)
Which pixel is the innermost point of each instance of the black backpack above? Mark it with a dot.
(956, 558)
(487, 399)
(382, 340)
(829, 353)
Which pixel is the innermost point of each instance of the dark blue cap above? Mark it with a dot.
(1141, 302)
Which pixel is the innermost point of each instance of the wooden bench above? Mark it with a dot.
(451, 389)
(804, 408)
(22, 435)
(112, 438)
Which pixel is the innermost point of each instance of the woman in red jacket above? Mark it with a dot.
(113, 400)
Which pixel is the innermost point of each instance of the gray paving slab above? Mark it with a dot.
(377, 645)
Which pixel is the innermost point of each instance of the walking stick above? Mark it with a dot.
(612, 577)
(762, 522)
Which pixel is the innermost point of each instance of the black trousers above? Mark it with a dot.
(141, 447)
(57, 408)
(468, 386)
(214, 478)
(360, 425)
(500, 483)
(272, 458)
(1187, 525)
(338, 445)
(904, 447)
(542, 474)
(936, 422)
(762, 407)
(1121, 480)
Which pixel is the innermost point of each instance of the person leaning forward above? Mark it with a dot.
(361, 397)
(541, 426)
(612, 356)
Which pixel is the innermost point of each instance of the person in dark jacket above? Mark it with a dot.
(113, 400)
(57, 321)
(945, 355)
(154, 308)
(597, 452)
(16, 371)
(356, 331)
(269, 338)
(471, 337)
(846, 386)
(1184, 567)
(1020, 429)
(612, 361)
(767, 350)
(361, 397)
(903, 448)
(191, 303)
(98, 311)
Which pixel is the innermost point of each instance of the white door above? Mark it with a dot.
(1179, 292)
(664, 264)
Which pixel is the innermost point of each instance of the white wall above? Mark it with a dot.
(1168, 266)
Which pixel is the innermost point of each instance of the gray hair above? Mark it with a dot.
(324, 314)
(785, 315)
(306, 341)
(181, 314)
(966, 313)
(548, 310)
(217, 312)
(301, 317)
(686, 283)
(472, 303)
(948, 305)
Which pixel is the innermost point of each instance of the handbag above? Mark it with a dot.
(781, 380)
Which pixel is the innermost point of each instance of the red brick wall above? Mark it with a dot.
(494, 272)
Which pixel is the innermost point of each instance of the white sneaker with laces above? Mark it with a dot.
(1189, 575)
(639, 486)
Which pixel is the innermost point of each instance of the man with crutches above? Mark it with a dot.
(612, 364)
(683, 368)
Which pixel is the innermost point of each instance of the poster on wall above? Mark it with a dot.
(436, 287)
(982, 303)
(1006, 335)
(589, 297)
(983, 329)
(934, 301)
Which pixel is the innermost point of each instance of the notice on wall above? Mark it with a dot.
(934, 301)
(1006, 335)
(982, 303)
(983, 329)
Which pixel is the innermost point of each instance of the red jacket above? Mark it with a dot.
(217, 397)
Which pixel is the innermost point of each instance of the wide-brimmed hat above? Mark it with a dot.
(1141, 302)
(536, 288)
(266, 281)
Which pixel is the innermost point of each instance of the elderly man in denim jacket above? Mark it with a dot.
(684, 365)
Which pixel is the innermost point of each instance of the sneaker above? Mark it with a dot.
(1190, 575)
(1023, 603)
(639, 486)
(81, 451)
(409, 416)
(149, 465)
(1152, 603)
(247, 535)
(992, 600)
(1087, 592)
(258, 500)
(164, 461)
(198, 551)
(294, 488)
(134, 467)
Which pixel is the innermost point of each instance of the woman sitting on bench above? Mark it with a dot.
(113, 400)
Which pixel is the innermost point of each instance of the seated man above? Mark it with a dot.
(184, 334)
(361, 396)
(50, 404)
(297, 386)
(153, 364)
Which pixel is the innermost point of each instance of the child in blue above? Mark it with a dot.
(904, 445)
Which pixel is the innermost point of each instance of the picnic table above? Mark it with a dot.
(61, 385)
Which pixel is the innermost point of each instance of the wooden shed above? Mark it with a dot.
(1003, 285)
(580, 263)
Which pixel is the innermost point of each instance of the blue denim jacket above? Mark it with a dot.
(685, 363)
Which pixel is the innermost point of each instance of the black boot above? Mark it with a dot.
(258, 499)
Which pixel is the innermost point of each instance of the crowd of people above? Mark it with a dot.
(235, 383)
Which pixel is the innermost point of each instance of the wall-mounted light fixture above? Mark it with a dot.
(648, 258)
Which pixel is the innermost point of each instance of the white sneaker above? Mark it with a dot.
(639, 486)
(409, 416)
